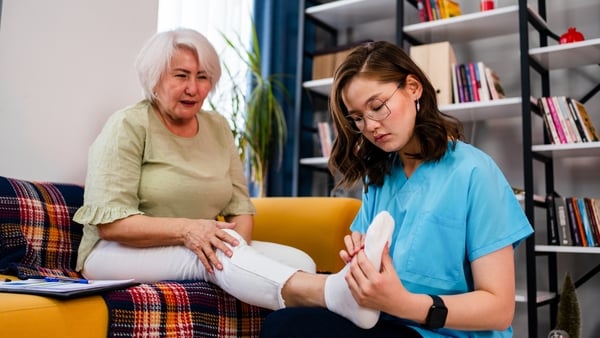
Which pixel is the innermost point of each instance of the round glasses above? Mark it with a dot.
(377, 110)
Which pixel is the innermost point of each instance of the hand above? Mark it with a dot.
(381, 290)
(354, 243)
(203, 237)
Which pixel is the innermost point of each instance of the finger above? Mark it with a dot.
(345, 256)
(204, 260)
(386, 259)
(212, 258)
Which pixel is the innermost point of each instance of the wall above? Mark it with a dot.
(65, 66)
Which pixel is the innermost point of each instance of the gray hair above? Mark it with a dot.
(155, 57)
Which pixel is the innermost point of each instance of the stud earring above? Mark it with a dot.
(418, 105)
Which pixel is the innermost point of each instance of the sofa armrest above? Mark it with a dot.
(315, 225)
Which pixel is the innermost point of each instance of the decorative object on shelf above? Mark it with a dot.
(486, 5)
(572, 35)
(257, 119)
(568, 318)
(558, 334)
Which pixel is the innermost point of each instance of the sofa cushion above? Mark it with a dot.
(37, 234)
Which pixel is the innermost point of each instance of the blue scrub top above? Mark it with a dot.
(448, 214)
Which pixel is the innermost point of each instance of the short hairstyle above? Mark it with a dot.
(155, 56)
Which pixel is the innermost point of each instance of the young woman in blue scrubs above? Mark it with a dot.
(448, 270)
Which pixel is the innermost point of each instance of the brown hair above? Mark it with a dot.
(352, 154)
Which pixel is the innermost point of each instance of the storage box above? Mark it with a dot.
(436, 60)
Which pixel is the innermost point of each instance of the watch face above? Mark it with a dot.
(437, 317)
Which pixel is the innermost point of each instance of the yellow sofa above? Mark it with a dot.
(313, 224)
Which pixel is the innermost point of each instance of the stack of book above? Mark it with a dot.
(474, 81)
(573, 221)
(430, 10)
(566, 120)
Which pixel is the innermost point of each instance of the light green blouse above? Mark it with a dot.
(137, 166)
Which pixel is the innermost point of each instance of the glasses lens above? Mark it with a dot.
(378, 110)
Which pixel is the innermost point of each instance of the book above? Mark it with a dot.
(569, 124)
(564, 230)
(596, 207)
(466, 81)
(552, 225)
(589, 235)
(575, 116)
(565, 120)
(422, 11)
(548, 121)
(575, 235)
(589, 208)
(63, 289)
(449, 8)
(475, 82)
(587, 122)
(484, 91)
(456, 98)
(579, 221)
(556, 120)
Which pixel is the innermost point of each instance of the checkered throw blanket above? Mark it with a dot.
(181, 309)
(37, 236)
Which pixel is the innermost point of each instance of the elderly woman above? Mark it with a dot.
(161, 172)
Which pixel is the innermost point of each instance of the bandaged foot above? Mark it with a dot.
(338, 297)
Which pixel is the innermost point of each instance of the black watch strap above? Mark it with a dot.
(436, 317)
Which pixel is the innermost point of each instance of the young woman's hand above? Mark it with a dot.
(354, 243)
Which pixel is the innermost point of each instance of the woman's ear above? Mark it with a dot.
(414, 86)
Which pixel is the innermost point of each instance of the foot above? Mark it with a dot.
(338, 297)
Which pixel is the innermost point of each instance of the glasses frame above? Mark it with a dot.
(371, 115)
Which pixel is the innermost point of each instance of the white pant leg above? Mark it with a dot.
(248, 275)
(111, 260)
(286, 254)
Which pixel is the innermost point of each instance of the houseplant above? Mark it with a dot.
(257, 118)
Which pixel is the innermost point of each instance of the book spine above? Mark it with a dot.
(428, 10)
(575, 116)
(556, 120)
(552, 227)
(455, 96)
(422, 11)
(587, 122)
(475, 82)
(596, 207)
(573, 222)
(548, 122)
(484, 93)
(464, 82)
(564, 231)
(491, 83)
(579, 219)
(586, 222)
(561, 103)
(589, 208)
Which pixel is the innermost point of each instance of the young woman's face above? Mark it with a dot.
(183, 86)
(366, 99)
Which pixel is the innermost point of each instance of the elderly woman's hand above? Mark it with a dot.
(204, 237)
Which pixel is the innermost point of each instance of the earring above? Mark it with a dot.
(418, 105)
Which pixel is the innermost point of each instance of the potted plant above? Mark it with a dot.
(257, 118)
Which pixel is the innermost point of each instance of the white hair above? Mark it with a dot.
(155, 57)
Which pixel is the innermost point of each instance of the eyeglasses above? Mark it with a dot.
(377, 110)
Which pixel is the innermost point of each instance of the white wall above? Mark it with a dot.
(65, 65)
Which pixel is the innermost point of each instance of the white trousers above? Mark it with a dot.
(254, 274)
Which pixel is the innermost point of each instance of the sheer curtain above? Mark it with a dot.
(214, 18)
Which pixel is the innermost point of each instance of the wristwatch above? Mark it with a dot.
(436, 317)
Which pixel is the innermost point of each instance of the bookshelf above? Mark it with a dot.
(543, 57)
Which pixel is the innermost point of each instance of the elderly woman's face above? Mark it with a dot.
(183, 86)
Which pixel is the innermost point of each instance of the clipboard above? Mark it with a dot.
(64, 289)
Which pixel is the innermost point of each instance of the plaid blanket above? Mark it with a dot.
(37, 236)
(181, 309)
